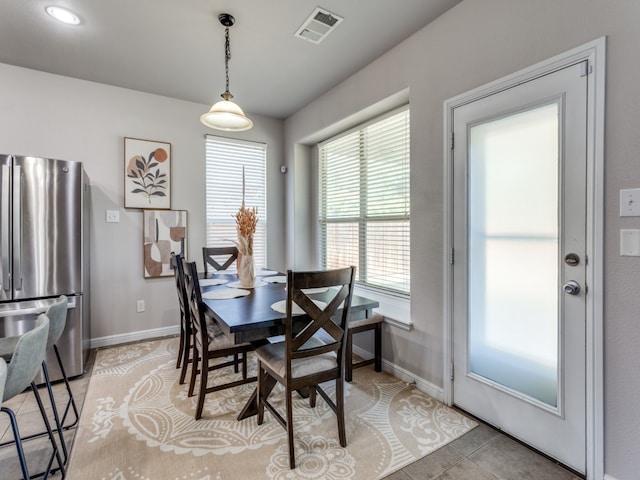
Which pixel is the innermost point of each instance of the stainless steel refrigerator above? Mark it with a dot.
(44, 233)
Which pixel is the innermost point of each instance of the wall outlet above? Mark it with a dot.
(140, 306)
(630, 243)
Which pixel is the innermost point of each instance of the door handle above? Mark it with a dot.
(17, 228)
(4, 226)
(571, 287)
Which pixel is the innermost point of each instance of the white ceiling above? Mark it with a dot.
(176, 47)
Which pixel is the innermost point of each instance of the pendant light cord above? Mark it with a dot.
(227, 56)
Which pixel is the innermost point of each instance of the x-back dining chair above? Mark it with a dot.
(211, 257)
(208, 347)
(185, 353)
(309, 356)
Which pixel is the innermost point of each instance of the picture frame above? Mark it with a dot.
(147, 174)
(164, 231)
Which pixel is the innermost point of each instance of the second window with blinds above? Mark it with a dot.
(225, 159)
(365, 203)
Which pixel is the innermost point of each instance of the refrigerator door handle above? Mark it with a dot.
(33, 307)
(4, 226)
(17, 230)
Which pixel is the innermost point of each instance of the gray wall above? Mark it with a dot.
(59, 117)
(476, 42)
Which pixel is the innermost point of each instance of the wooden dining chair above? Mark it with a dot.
(211, 256)
(185, 354)
(310, 354)
(210, 348)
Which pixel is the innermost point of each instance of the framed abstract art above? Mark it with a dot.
(164, 231)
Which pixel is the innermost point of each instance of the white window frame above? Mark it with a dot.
(225, 159)
(394, 304)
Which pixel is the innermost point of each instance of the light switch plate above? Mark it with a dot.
(113, 216)
(630, 202)
(630, 243)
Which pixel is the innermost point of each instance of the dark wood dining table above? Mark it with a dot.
(251, 318)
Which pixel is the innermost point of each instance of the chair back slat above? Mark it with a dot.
(319, 319)
(178, 273)
(194, 299)
(211, 256)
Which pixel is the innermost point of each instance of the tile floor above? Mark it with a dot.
(481, 454)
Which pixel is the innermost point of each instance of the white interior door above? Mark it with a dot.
(519, 240)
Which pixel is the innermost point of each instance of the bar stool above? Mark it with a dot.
(362, 325)
(57, 314)
(25, 363)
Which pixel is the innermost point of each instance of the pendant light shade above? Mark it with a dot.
(225, 114)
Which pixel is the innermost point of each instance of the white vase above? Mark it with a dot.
(246, 270)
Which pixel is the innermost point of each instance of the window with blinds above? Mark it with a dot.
(364, 202)
(225, 159)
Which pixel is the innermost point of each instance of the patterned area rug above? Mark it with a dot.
(137, 423)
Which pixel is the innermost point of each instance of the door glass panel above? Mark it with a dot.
(513, 252)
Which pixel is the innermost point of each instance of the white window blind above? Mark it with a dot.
(225, 159)
(365, 204)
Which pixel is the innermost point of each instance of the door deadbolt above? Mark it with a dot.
(571, 259)
(571, 287)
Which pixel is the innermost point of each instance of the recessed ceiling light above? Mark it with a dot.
(63, 15)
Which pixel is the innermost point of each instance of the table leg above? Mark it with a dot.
(251, 407)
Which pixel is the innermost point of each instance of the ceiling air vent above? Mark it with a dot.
(319, 24)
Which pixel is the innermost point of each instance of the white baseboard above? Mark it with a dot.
(134, 336)
(421, 384)
(609, 477)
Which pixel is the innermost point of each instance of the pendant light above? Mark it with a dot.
(226, 115)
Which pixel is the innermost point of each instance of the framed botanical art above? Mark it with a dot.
(164, 231)
(147, 174)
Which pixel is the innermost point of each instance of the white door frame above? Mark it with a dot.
(594, 52)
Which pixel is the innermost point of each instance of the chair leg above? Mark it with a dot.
(194, 370)
(56, 453)
(340, 411)
(348, 364)
(182, 340)
(312, 396)
(292, 457)
(186, 353)
(259, 393)
(71, 403)
(378, 347)
(204, 374)
(54, 409)
(244, 364)
(16, 435)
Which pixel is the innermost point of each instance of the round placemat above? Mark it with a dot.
(207, 282)
(225, 293)
(256, 283)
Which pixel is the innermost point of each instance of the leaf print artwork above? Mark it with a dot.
(146, 174)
